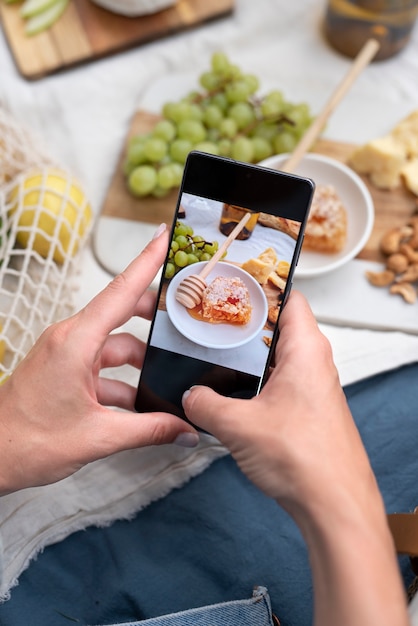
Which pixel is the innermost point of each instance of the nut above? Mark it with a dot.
(391, 241)
(410, 275)
(381, 279)
(413, 240)
(397, 262)
(409, 252)
(273, 314)
(406, 290)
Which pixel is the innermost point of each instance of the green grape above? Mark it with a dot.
(181, 230)
(252, 82)
(179, 149)
(205, 256)
(181, 258)
(237, 91)
(284, 142)
(192, 258)
(136, 153)
(242, 113)
(262, 148)
(189, 230)
(182, 241)
(177, 170)
(271, 109)
(196, 112)
(142, 180)
(220, 63)
(228, 128)
(234, 71)
(213, 135)
(170, 270)
(220, 100)
(159, 192)
(165, 130)
(191, 130)
(177, 111)
(242, 149)
(155, 149)
(174, 246)
(207, 146)
(224, 146)
(266, 130)
(209, 81)
(210, 248)
(166, 177)
(212, 116)
(300, 115)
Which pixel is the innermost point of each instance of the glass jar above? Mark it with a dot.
(231, 215)
(348, 24)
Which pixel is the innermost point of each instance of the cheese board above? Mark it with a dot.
(86, 32)
(343, 297)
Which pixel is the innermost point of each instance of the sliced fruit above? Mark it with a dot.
(44, 20)
(33, 7)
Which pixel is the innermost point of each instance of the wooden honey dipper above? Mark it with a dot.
(190, 291)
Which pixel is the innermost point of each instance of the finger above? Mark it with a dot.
(122, 349)
(113, 306)
(146, 305)
(115, 393)
(123, 431)
(297, 312)
(211, 411)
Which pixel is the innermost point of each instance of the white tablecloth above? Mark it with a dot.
(83, 116)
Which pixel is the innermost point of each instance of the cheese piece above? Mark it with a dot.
(269, 256)
(258, 269)
(410, 175)
(277, 280)
(406, 134)
(283, 268)
(382, 159)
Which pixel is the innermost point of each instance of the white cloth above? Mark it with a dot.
(83, 115)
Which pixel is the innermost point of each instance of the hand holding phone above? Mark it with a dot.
(227, 340)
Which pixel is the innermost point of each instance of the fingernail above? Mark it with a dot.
(187, 440)
(185, 396)
(160, 230)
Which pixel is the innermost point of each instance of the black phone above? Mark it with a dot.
(227, 340)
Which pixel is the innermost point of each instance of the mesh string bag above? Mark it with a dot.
(46, 220)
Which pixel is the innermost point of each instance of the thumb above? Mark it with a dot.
(208, 409)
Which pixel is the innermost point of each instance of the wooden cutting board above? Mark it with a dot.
(86, 32)
(392, 208)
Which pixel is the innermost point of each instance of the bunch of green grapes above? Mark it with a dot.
(187, 248)
(224, 117)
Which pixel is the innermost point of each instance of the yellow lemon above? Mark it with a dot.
(53, 204)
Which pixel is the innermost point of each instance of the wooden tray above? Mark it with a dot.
(391, 208)
(86, 32)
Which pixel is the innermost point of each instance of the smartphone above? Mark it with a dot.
(227, 340)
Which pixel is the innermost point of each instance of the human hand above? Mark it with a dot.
(54, 409)
(297, 439)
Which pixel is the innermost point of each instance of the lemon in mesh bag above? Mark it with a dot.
(52, 212)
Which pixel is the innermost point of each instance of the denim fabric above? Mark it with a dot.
(255, 611)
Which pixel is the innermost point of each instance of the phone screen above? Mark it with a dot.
(226, 341)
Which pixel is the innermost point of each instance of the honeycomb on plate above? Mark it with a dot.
(226, 299)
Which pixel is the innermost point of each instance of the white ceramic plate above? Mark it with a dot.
(217, 335)
(133, 8)
(354, 195)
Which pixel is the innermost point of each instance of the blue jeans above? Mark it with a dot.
(255, 611)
